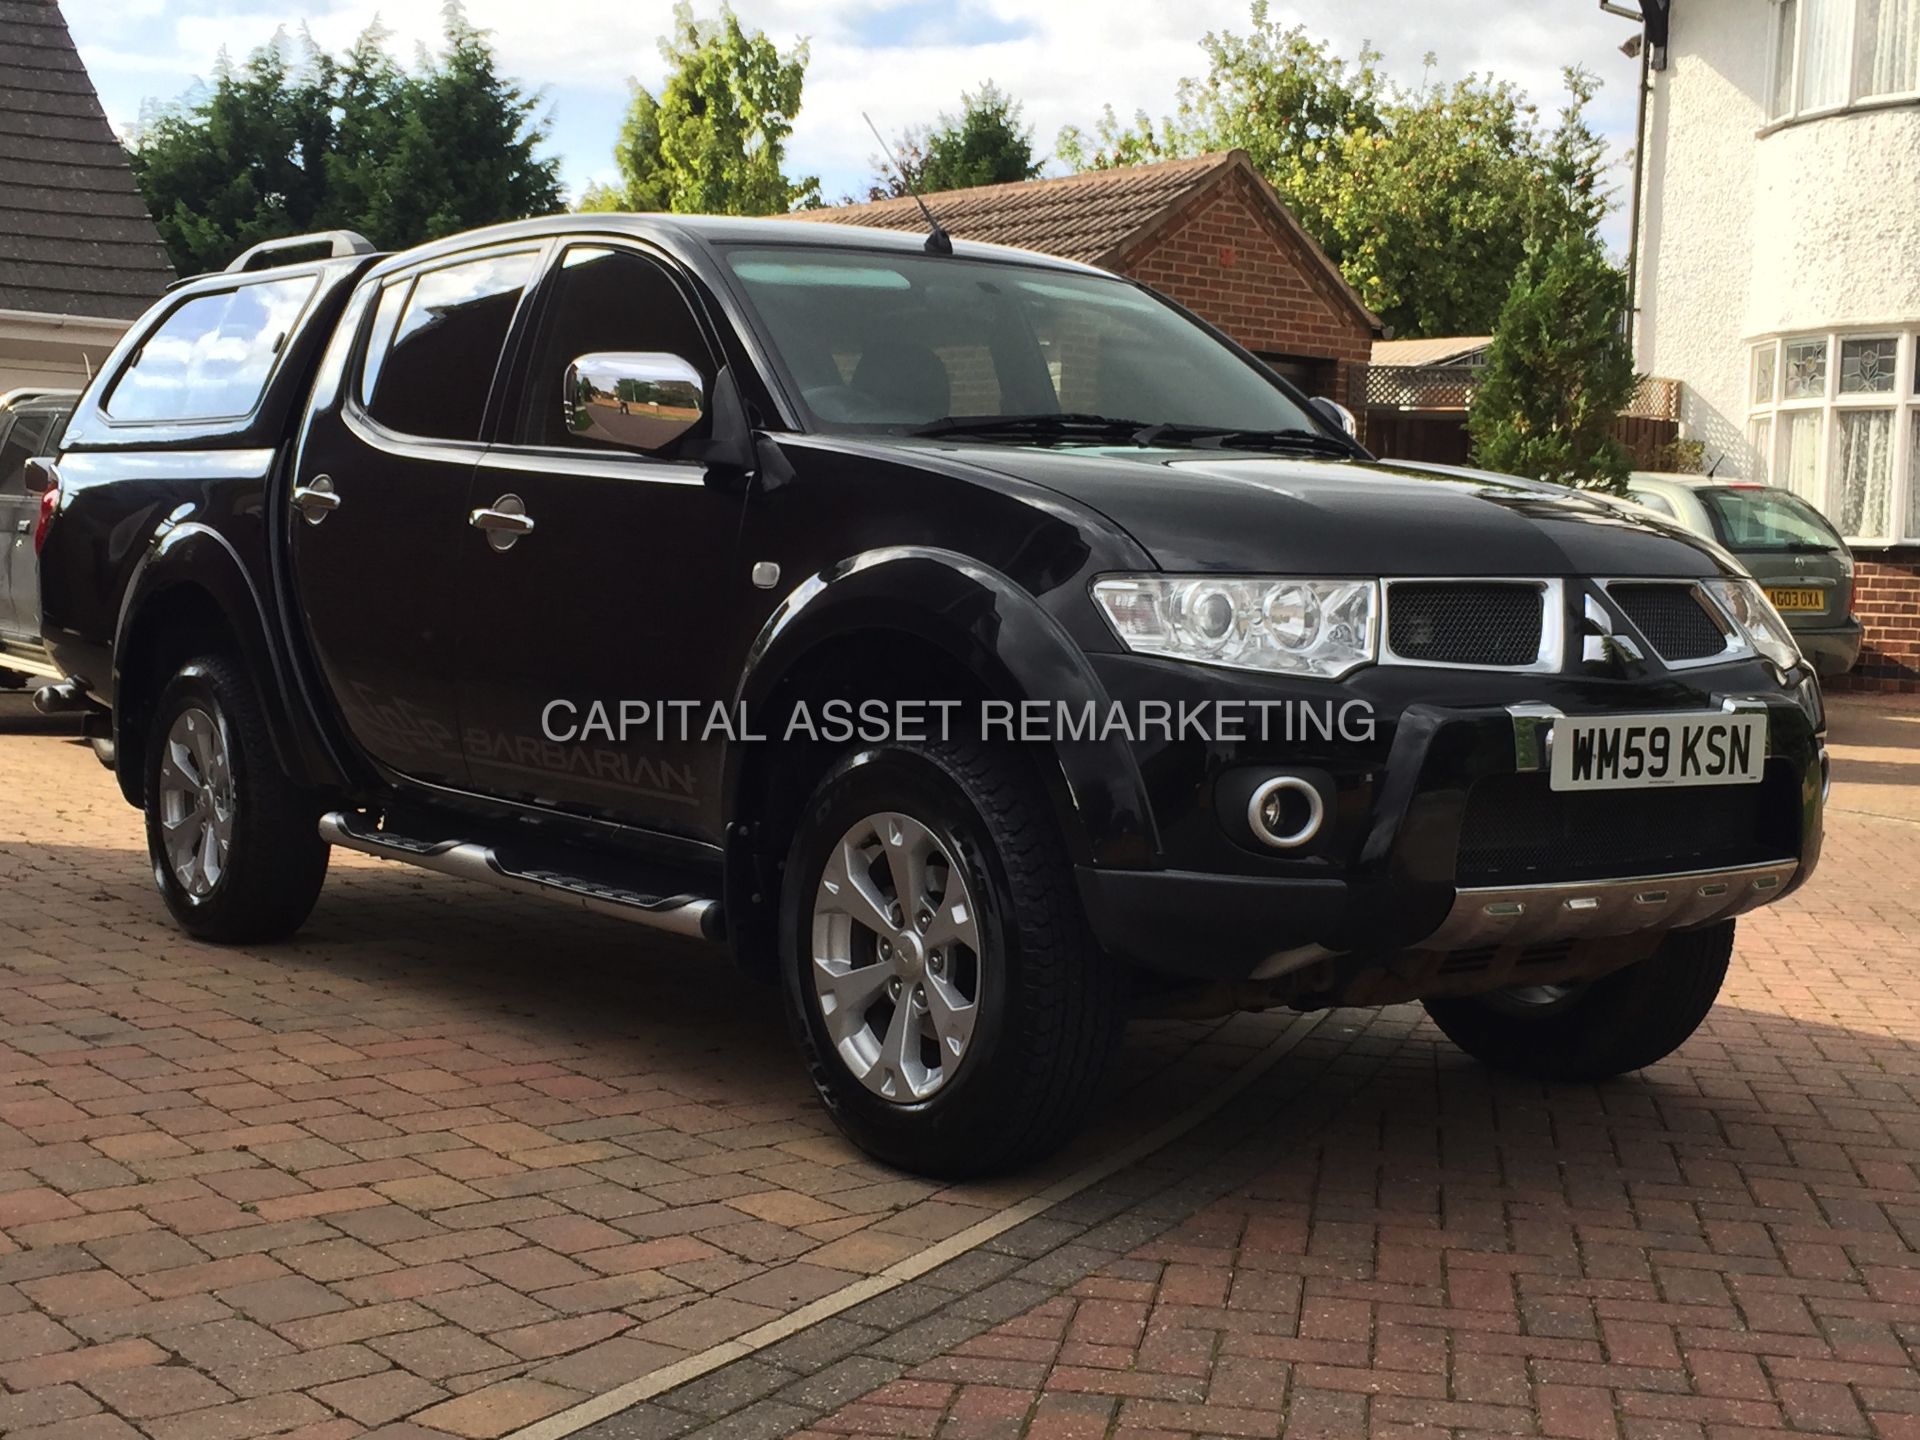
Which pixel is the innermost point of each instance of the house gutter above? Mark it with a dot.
(41, 321)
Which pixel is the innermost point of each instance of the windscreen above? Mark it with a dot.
(1767, 520)
(878, 341)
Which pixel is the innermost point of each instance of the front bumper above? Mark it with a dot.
(1403, 869)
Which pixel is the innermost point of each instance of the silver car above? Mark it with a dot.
(31, 423)
(1795, 554)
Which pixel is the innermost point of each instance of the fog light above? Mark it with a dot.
(1826, 775)
(1286, 812)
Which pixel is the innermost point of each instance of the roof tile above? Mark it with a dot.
(75, 238)
(1085, 217)
(1097, 217)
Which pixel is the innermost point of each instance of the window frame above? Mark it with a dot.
(510, 419)
(1903, 400)
(408, 277)
(1794, 51)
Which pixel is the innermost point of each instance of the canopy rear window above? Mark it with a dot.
(211, 356)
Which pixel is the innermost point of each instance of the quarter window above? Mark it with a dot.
(434, 377)
(1843, 431)
(210, 357)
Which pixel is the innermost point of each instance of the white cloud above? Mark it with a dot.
(1073, 57)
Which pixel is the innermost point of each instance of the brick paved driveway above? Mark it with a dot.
(459, 1163)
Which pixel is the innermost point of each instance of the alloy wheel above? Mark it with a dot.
(896, 957)
(196, 800)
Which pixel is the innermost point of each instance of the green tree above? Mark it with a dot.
(1558, 372)
(1429, 213)
(285, 144)
(245, 161)
(713, 141)
(464, 150)
(986, 144)
(1427, 198)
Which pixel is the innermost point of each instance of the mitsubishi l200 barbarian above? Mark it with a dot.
(423, 554)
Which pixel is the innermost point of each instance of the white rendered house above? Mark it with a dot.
(1778, 254)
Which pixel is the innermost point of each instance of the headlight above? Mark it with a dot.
(1322, 628)
(1753, 614)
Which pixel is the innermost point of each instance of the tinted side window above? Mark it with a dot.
(210, 358)
(21, 443)
(434, 377)
(605, 300)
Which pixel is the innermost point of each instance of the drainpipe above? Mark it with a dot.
(1639, 173)
(1640, 18)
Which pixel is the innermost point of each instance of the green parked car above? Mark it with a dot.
(1791, 549)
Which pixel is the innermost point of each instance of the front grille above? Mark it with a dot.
(1518, 830)
(1674, 618)
(1472, 623)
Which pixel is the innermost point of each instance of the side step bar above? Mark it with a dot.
(696, 916)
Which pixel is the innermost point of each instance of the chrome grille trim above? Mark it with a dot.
(1547, 660)
(1736, 648)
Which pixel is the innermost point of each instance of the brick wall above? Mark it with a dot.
(1230, 262)
(1889, 611)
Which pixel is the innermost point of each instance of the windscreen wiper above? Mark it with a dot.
(1219, 437)
(1046, 425)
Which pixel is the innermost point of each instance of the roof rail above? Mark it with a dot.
(338, 243)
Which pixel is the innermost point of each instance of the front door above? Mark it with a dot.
(619, 594)
(380, 506)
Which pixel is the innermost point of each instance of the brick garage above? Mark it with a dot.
(1209, 232)
(1888, 606)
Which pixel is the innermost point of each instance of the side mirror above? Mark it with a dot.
(640, 401)
(41, 476)
(1335, 414)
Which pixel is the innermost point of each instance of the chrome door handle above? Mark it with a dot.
(317, 500)
(505, 521)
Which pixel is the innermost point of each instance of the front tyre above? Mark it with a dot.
(234, 843)
(1599, 1029)
(954, 1010)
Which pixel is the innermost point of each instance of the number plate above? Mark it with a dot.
(1802, 599)
(1635, 752)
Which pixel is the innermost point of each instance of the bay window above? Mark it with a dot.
(1835, 418)
(1828, 54)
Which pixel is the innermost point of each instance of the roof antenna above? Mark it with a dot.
(938, 241)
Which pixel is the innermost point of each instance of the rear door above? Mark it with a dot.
(380, 504)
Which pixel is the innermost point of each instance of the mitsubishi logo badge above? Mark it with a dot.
(1599, 645)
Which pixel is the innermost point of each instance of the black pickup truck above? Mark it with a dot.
(978, 642)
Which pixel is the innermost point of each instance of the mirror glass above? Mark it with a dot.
(639, 401)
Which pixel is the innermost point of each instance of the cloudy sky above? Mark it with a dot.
(900, 60)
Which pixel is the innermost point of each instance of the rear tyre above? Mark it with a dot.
(235, 844)
(1606, 1027)
(955, 1013)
